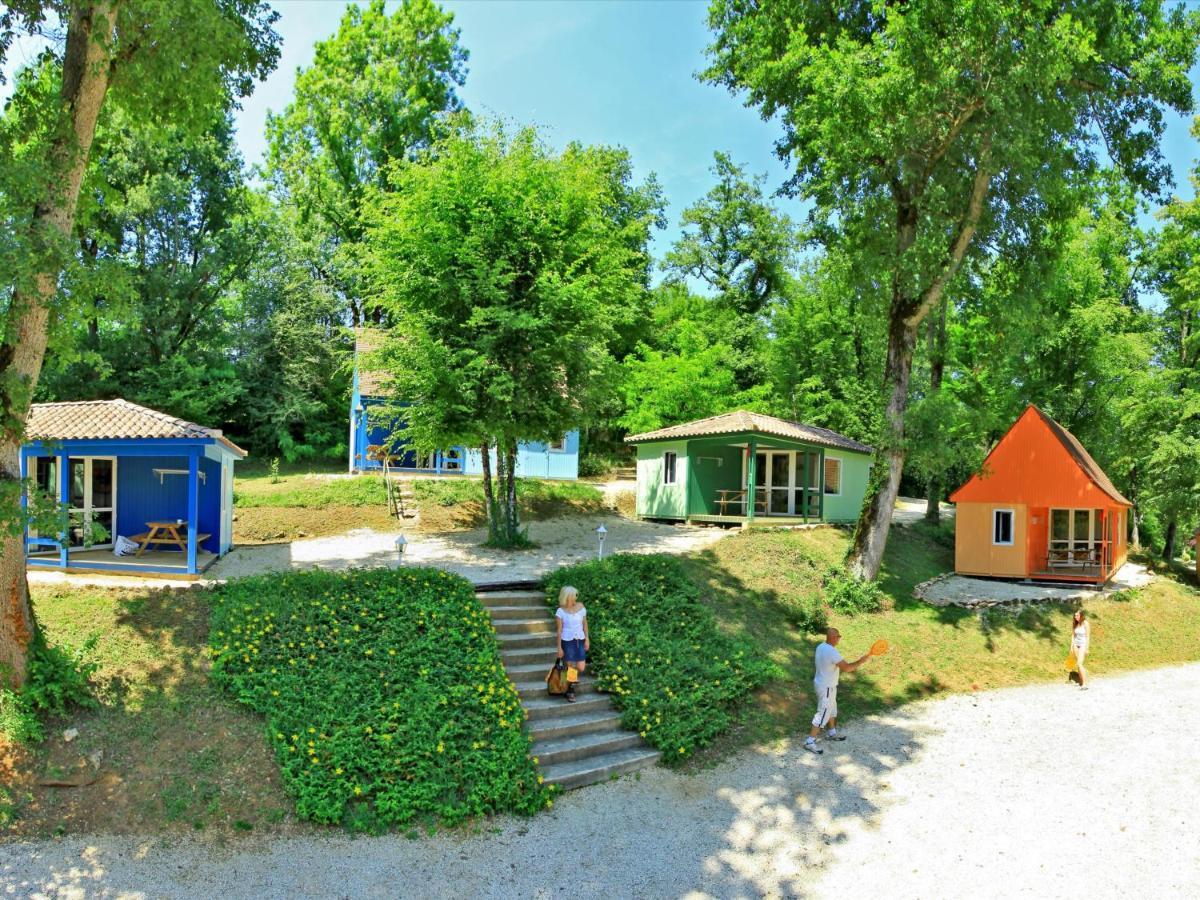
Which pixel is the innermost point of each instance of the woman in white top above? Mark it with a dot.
(1081, 636)
(573, 643)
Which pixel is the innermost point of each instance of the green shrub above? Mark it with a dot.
(592, 466)
(806, 611)
(847, 594)
(18, 722)
(384, 694)
(60, 676)
(673, 675)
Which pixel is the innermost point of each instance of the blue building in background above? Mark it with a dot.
(125, 471)
(368, 439)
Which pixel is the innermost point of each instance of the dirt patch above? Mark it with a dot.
(165, 751)
(266, 524)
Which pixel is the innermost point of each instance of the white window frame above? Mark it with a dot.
(673, 468)
(1012, 527)
(559, 446)
(825, 484)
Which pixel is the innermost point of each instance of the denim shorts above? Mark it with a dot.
(573, 651)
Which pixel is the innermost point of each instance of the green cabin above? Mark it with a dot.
(700, 471)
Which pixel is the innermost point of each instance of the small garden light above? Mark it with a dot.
(401, 546)
(600, 533)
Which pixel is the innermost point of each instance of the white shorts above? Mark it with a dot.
(826, 705)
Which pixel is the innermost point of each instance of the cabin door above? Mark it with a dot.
(92, 500)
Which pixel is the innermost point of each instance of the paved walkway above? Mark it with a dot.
(1036, 792)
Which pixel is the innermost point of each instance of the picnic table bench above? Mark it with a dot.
(165, 533)
(737, 498)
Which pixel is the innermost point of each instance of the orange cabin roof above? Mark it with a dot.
(1040, 463)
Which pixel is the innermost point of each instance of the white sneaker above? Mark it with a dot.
(834, 736)
(811, 747)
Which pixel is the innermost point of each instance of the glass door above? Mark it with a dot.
(91, 485)
(1076, 536)
(780, 484)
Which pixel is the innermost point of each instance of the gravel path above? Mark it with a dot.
(960, 590)
(1043, 791)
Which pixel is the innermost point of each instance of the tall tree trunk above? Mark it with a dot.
(904, 318)
(1169, 543)
(510, 493)
(86, 72)
(1135, 539)
(489, 497)
(497, 528)
(937, 368)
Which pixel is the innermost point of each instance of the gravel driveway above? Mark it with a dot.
(1043, 791)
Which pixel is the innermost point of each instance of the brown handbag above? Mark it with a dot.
(556, 678)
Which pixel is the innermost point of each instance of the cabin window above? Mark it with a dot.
(559, 445)
(1002, 527)
(833, 476)
(669, 467)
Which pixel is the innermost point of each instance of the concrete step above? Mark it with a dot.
(592, 769)
(547, 640)
(513, 598)
(499, 613)
(572, 725)
(569, 749)
(527, 656)
(528, 671)
(524, 626)
(534, 687)
(547, 707)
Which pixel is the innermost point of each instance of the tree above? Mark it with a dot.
(144, 56)
(377, 92)
(913, 127)
(504, 269)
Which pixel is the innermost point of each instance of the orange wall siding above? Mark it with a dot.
(974, 552)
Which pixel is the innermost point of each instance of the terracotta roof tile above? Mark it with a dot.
(112, 419)
(742, 420)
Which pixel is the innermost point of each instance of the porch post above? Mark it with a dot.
(804, 485)
(821, 488)
(24, 503)
(193, 507)
(64, 499)
(751, 476)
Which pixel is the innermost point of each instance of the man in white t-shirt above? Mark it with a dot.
(829, 665)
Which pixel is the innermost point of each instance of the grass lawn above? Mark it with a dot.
(456, 503)
(752, 580)
(306, 504)
(173, 754)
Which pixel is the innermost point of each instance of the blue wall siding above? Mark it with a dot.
(141, 499)
(536, 460)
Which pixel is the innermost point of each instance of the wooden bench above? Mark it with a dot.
(165, 533)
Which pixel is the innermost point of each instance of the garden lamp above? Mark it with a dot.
(600, 533)
(401, 546)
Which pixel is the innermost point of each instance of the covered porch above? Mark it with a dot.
(748, 478)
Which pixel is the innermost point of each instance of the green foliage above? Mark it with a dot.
(530, 492)
(275, 470)
(383, 691)
(506, 270)
(675, 677)
(60, 676)
(19, 723)
(850, 595)
(594, 466)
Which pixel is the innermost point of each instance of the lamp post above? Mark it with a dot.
(600, 533)
(401, 546)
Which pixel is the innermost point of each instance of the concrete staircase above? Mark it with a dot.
(575, 743)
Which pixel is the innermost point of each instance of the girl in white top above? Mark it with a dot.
(1081, 636)
(573, 642)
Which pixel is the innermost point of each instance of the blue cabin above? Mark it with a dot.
(128, 476)
(368, 440)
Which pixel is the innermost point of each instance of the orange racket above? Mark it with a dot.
(879, 648)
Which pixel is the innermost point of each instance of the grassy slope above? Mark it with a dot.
(176, 755)
(452, 503)
(749, 577)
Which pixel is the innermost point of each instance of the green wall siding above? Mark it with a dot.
(713, 467)
(656, 500)
(855, 470)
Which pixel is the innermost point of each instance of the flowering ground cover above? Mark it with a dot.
(674, 675)
(385, 698)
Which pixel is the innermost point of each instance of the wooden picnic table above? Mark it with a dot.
(738, 499)
(165, 533)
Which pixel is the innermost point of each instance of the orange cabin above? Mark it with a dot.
(1040, 508)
